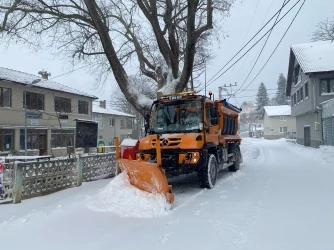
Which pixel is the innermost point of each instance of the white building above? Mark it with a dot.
(112, 123)
(278, 122)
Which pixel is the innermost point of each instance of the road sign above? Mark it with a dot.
(33, 115)
(34, 122)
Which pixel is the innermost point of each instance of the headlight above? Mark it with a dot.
(140, 156)
(192, 157)
(195, 157)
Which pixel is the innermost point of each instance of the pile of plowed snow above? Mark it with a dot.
(121, 198)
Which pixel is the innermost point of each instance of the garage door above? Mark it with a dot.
(328, 131)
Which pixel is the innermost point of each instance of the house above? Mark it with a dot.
(249, 120)
(310, 82)
(52, 110)
(278, 122)
(248, 107)
(112, 123)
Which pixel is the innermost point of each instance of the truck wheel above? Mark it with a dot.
(235, 150)
(207, 177)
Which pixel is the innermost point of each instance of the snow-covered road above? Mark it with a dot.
(282, 198)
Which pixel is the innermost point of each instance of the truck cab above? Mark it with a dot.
(190, 131)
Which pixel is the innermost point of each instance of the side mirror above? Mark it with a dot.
(147, 121)
(147, 118)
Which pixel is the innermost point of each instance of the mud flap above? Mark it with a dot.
(147, 176)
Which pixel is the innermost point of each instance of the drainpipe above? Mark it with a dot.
(313, 80)
(315, 110)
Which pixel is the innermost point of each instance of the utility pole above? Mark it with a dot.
(205, 80)
(231, 85)
(230, 94)
(25, 116)
(220, 96)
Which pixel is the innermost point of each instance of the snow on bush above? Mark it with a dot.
(121, 198)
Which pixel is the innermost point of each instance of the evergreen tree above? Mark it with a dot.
(281, 98)
(261, 100)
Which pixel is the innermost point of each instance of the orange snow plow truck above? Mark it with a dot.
(185, 133)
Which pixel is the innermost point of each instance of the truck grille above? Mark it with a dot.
(167, 142)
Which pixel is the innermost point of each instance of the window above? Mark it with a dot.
(35, 101)
(62, 104)
(295, 99)
(301, 94)
(62, 138)
(122, 123)
(298, 96)
(5, 97)
(111, 142)
(297, 74)
(283, 118)
(83, 107)
(128, 123)
(99, 119)
(6, 139)
(112, 121)
(36, 138)
(283, 129)
(306, 90)
(327, 86)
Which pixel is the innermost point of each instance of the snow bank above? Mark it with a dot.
(121, 198)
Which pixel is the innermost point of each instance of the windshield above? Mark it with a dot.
(177, 117)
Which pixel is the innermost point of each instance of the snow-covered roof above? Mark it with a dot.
(109, 111)
(249, 103)
(315, 57)
(25, 78)
(129, 142)
(278, 110)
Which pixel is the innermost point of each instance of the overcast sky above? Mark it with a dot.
(236, 27)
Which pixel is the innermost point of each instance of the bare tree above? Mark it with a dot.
(324, 31)
(167, 38)
(119, 102)
(249, 119)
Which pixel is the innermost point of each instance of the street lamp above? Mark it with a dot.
(25, 115)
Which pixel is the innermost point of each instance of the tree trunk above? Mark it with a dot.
(110, 52)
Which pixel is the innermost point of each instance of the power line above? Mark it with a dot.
(253, 45)
(250, 25)
(248, 41)
(277, 45)
(258, 57)
(243, 62)
(69, 72)
(251, 95)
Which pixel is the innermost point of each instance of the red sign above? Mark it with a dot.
(1, 168)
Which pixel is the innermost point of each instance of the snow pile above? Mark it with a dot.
(121, 198)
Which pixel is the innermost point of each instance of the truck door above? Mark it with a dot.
(211, 128)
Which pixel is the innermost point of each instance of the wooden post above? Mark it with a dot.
(17, 195)
(80, 163)
(117, 155)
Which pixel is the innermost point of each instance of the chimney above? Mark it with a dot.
(103, 104)
(44, 74)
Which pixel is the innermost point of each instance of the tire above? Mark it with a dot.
(207, 177)
(235, 150)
